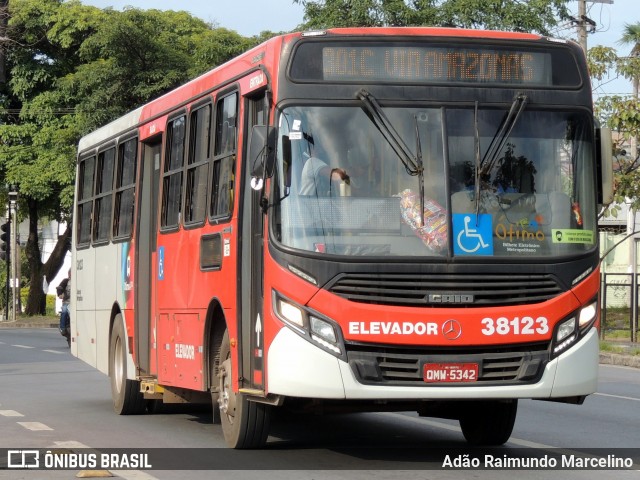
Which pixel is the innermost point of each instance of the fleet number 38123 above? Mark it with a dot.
(515, 326)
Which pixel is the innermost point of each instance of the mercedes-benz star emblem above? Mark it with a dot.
(451, 329)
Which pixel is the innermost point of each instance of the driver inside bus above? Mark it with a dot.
(317, 178)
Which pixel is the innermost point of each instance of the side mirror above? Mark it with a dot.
(606, 165)
(261, 154)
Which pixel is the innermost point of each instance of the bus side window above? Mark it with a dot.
(224, 156)
(85, 200)
(125, 189)
(197, 165)
(172, 175)
(102, 203)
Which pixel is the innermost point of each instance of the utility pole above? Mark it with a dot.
(583, 23)
(15, 282)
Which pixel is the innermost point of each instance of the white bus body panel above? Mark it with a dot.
(106, 275)
(100, 287)
(122, 124)
(299, 369)
(578, 367)
(83, 301)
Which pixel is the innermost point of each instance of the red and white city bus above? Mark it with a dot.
(390, 218)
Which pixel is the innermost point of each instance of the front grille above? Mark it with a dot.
(419, 290)
(403, 366)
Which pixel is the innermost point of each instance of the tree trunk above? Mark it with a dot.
(36, 301)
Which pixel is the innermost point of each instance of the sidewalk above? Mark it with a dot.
(53, 322)
(32, 322)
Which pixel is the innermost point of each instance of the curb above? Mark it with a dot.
(27, 325)
(620, 360)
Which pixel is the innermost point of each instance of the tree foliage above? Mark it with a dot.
(622, 115)
(72, 68)
(530, 16)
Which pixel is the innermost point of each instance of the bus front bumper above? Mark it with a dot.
(297, 368)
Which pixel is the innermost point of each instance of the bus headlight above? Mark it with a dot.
(323, 329)
(565, 329)
(310, 325)
(290, 313)
(571, 329)
(588, 315)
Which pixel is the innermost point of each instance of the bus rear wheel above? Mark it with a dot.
(127, 399)
(489, 423)
(245, 424)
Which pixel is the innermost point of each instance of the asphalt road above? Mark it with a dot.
(49, 399)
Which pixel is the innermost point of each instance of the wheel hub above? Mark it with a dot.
(227, 397)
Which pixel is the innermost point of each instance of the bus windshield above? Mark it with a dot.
(345, 190)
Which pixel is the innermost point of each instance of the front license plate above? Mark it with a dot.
(450, 372)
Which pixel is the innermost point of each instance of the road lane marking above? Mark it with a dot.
(516, 441)
(22, 346)
(54, 351)
(34, 426)
(126, 474)
(10, 413)
(133, 474)
(70, 444)
(621, 397)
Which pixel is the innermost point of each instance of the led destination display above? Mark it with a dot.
(411, 63)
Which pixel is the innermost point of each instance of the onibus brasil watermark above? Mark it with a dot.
(36, 459)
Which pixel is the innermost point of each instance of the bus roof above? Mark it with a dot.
(428, 32)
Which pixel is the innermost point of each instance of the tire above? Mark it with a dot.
(126, 395)
(245, 424)
(489, 423)
(214, 369)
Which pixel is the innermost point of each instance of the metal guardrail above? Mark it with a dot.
(624, 286)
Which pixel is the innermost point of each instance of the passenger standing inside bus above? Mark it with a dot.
(64, 293)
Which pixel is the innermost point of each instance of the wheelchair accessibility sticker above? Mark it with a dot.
(472, 234)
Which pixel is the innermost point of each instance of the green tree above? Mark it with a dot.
(622, 115)
(532, 16)
(70, 69)
(36, 139)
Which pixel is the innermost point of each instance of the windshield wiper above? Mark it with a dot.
(412, 164)
(420, 166)
(383, 124)
(503, 132)
(497, 142)
(476, 149)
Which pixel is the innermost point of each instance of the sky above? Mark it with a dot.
(250, 17)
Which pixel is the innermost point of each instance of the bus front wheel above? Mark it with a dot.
(489, 422)
(245, 424)
(127, 399)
